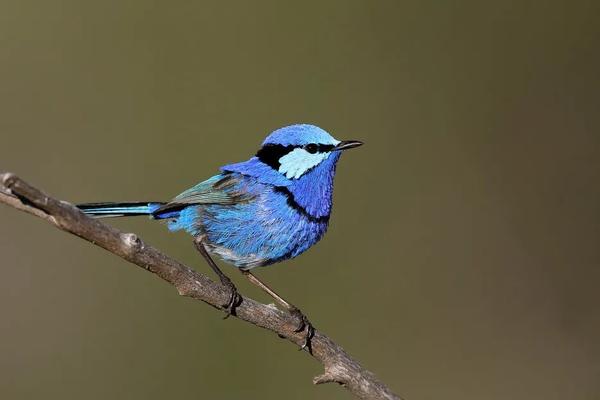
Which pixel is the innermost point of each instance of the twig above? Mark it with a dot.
(339, 366)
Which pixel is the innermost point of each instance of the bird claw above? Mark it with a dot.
(234, 298)
(304, 323)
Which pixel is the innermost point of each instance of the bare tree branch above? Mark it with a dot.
(339, 366)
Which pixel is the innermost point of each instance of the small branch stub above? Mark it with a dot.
(327, 378)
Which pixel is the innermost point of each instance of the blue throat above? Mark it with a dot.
(311, 194)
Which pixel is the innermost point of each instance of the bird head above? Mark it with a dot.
(296, 149)
(293, 152)
(301, 158)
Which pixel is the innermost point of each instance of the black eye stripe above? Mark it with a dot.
(311, 148)
(270, 153)
(319, 147)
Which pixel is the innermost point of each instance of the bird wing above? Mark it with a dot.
(223, 189)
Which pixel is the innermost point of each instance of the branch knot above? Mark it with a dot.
(8, 179)
(133, 242)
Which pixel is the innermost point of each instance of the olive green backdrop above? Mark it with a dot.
(463, 253)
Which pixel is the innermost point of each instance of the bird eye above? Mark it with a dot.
(311, 148)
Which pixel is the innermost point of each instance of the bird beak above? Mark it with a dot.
(347, 144)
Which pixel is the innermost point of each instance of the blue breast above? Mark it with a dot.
(259, 217)
(271, 227)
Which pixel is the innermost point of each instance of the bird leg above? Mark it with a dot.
(234, 299)
(303, 321)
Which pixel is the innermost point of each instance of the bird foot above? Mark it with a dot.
(234, 297)
(304, 323)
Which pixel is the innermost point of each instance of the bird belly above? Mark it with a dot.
(259, 233)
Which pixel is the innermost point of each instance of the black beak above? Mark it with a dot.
(348, 144)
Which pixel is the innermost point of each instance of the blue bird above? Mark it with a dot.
(258, 212)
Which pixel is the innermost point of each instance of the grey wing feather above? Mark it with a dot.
(219, 189)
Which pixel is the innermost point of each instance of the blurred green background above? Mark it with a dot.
(462, 259)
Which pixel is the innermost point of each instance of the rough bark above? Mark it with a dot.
(338, 365)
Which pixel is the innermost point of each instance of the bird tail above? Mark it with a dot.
(114, 209)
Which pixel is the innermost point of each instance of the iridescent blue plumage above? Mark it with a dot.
(269, 208)
(260, 229)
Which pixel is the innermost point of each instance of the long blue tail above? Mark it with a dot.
(130, 209)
